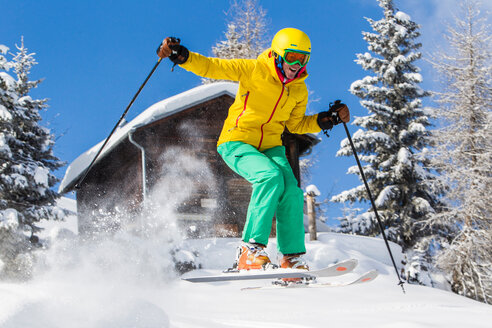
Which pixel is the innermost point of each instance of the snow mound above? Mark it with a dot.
(120, 294)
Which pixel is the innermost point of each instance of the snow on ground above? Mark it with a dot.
(126, 281)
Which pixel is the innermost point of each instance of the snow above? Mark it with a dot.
(23, 101)
(19, 181)
(422, 205)
(155, 112)
(68, 204)
(3, 49)
(312, 189)
(416, 127)
(400, 60)
(404, 156)
(360, 136)
(4, 147)
(9, 219)
(416, 77)
(403, 17)
(104, 285)
(390, 72)
(41, 176)
(9, 80)
(384, 195)
(4, 113)
(69, 226)
(401, 30)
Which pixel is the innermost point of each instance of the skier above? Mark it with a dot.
(272, 96)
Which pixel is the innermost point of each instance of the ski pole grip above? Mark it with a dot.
(164, 49)
(334, 113)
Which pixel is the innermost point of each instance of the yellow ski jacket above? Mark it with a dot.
(264, 105)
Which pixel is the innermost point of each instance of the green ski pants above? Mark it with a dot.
(275, 192)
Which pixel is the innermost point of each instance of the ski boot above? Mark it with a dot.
(293, 262)
(252, 257)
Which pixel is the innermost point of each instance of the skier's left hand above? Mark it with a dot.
(338, 113)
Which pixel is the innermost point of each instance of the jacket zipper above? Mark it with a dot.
(271, 115)
(244, 109)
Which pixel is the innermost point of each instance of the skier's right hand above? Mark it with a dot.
(171, 47)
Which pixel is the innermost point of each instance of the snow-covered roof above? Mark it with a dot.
(162, 109)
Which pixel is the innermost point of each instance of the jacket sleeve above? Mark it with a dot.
(300, 123)
(218, 68)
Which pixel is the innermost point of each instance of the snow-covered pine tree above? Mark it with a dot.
(463, 152)
(246, 35)
(10, 234)
(231, 47)
(27, 160)
(394, 135)
(13, 243)
(248, 27)
(349, 222)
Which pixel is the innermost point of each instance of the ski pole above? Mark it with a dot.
(381, 227)
(400, 282)
(86, 172)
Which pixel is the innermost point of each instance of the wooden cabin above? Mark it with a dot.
(168, 150)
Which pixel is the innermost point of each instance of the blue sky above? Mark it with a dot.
(93, 56)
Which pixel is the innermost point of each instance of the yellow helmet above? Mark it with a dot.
(292, 40)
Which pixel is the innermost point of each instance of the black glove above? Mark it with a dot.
(172, 48)
(325, 120)
(337, 114)
(179, 54)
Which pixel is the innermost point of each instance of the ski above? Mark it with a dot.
(333, 270)
(364, 278)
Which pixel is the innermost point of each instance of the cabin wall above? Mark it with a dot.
(111, 188)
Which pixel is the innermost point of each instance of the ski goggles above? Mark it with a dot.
(295, 57)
